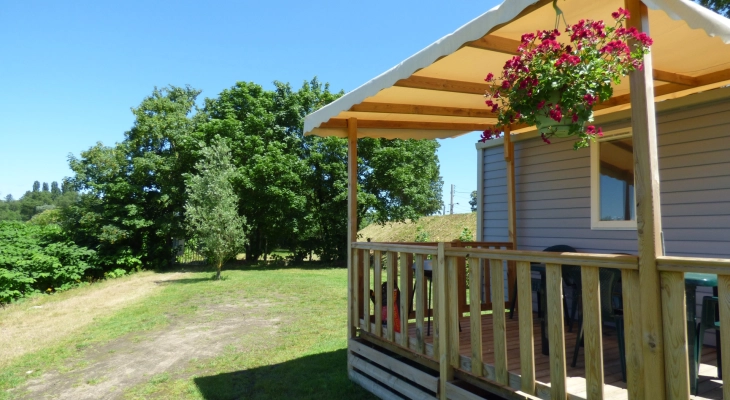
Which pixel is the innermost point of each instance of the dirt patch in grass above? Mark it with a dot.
(108, 370)
(43, 321)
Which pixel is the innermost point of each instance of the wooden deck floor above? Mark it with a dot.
(710, 388)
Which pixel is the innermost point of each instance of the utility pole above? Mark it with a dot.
(451, 208)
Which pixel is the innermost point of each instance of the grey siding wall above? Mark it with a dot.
(553, 190)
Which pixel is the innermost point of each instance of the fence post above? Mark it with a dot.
(444, 299)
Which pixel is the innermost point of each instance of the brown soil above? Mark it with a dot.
(106, 371)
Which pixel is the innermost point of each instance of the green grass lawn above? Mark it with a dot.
(302, 354)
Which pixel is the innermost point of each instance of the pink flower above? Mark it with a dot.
(555, 113)
(544, 138)
(489, 103)
(575, 118)
(489, 77)
(506, 84)
(589, 99)
(540, 105)
(487, 135)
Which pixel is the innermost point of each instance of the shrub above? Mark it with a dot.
(37, 258)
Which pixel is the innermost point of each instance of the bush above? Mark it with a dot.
(37, 258)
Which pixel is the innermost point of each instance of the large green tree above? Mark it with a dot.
(212, 206)
(134, 192)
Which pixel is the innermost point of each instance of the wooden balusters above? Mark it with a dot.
(499, 323)
(674, 317)
(475, 318)
(391, 260)
(723, 296)
(556, 334)
(377, 289)
(405, 285)
(419, 304)
(632, 333)
(592, 332)
(366, 291)
(527, 341)
(356, 275)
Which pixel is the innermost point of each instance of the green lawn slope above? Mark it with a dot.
(439, 228)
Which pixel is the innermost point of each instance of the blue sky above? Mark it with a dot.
(70, 71)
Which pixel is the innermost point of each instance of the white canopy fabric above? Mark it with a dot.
(438, 92)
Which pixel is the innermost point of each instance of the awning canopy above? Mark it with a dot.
(439, 91)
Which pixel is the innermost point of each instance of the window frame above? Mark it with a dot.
(596, 223)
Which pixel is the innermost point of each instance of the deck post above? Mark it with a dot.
(648, 213)
(509, 158)
(352, 225)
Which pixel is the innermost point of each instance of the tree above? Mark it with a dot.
(473, 201)
(722, 7)
(36, 186)
(133, 194)
(45, 187)
(212, 206)
(55, 191)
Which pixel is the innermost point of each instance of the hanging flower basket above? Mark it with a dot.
(547, 126)
(554, 85)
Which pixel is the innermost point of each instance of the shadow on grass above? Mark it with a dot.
(319, 376)
(257, 266)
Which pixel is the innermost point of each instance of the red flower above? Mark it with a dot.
(489, 77)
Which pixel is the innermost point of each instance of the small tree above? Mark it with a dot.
(211, 209)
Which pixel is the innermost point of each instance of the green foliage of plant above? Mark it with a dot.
(117, 273)
(211, 209)
(466, 235)
(421, 235)
(37, 258)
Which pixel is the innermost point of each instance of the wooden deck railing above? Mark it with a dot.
(457, 291)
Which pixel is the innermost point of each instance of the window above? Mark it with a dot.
(612, 182)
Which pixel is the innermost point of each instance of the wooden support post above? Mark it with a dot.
(392, 259)
(509, 158)
(461, 271)
(351, 223)
(499, 323)
(674, 311)
(405, 284)
(527, 340)
(556, 334)
(632, 332)
(592, 332)
(446, 315)
(723, 296)
(475, 316)
(648, 213)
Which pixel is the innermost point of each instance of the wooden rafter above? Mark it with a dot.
(422, 110)
(445, 85)
(509, 46)
(385, 124)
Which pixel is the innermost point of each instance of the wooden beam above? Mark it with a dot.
(351, 224)
(424, 125)
(671, 77)
(475, 317)
(495, 43)
(444, 300)
(632, 333)
(648, 213)
(509, 157)
(446, 85)
(422, 110)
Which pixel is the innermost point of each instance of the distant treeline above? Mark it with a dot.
(126, 202)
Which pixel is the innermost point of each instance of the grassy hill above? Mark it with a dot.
(439, 228)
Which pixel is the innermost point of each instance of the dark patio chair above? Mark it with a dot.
(569, 275)
(609, 283)
(708, 321)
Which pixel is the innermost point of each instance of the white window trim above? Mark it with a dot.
(596, 223)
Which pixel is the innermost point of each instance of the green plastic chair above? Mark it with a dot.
(707, 321)
(609, 281)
